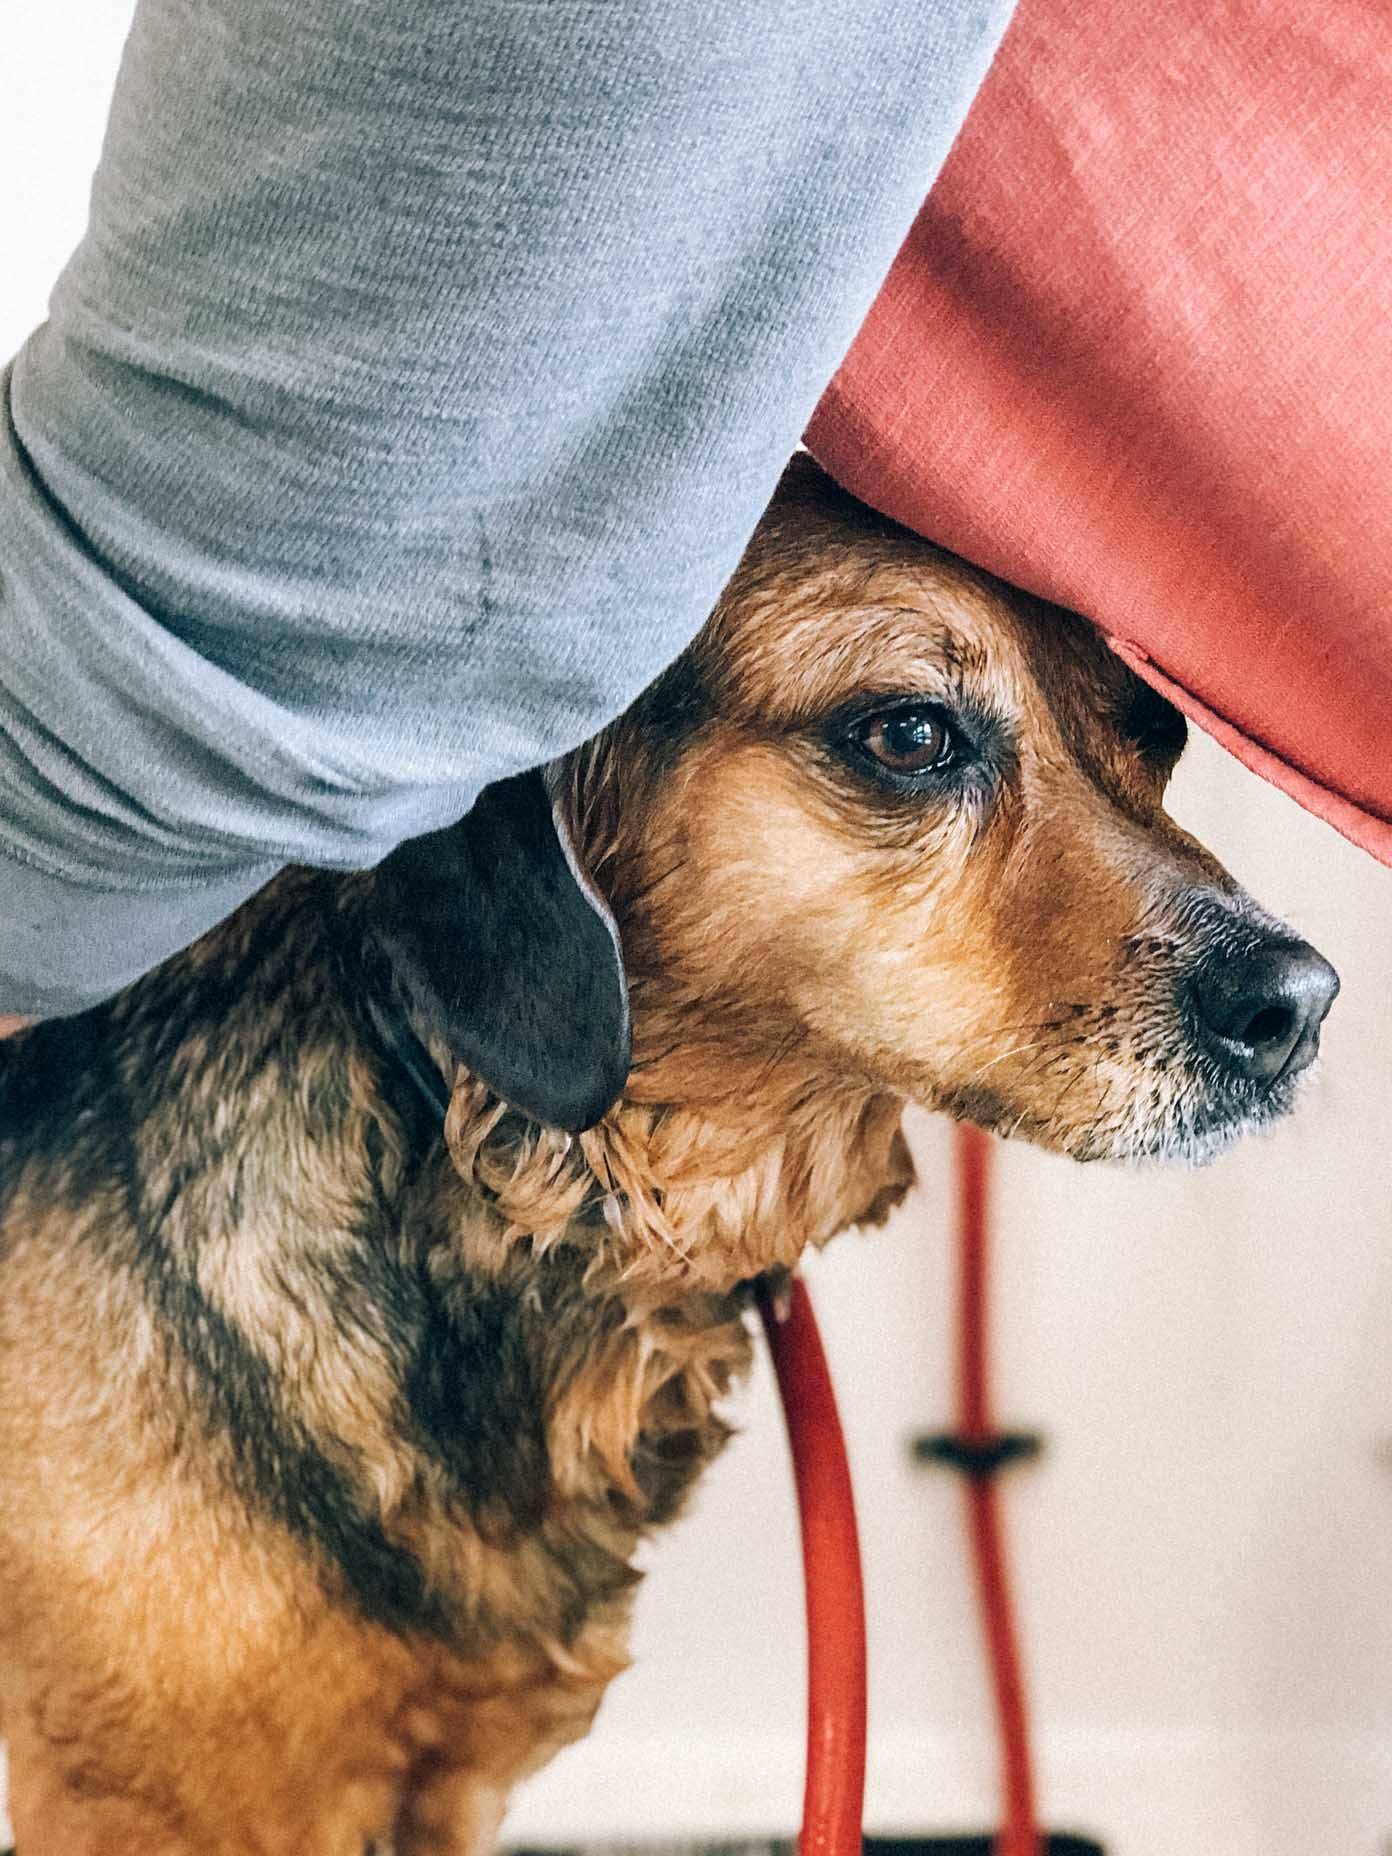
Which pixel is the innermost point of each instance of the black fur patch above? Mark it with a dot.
(55, 1080)
(280, 1471)
(278, 1468)
(1154, 724)
(475, 1405)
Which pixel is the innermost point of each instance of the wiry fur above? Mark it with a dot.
(328, 1441)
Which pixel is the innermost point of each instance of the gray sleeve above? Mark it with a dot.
(423, 371)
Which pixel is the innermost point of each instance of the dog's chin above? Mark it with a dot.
(1194, 1134)
(1190, 1128)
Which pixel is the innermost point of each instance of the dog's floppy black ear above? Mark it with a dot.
(501, 947)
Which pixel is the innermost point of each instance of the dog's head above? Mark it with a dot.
(892, 824)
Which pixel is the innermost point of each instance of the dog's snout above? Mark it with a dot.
(1260, 1012)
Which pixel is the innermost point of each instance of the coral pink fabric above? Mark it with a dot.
(1136, 356)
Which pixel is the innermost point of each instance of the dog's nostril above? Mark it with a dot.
(1270, 1025)
(1260, 1013)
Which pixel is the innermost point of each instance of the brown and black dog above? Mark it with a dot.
(328, 1434)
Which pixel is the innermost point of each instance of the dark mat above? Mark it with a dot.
(975, 1846)
(874, 1846)
(1051, 1845)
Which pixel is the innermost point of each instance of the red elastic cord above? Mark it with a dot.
(1020, 1835)
(834, 1796)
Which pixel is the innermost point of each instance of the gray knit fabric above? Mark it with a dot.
(424, 370)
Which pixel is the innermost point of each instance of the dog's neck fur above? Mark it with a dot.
(683, 1190)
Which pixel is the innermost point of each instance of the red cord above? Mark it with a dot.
(1020, 1835)
(833, 1797)
(834, 1794)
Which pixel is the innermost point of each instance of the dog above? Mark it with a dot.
(339, 1381)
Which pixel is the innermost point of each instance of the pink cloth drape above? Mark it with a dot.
(1136, 356)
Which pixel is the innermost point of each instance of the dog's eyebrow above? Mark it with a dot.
(868, 653)
(958, 651)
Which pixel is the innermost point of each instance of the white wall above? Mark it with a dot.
(1205, 1555)
(57, 63)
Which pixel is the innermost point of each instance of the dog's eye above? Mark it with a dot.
(908, 741)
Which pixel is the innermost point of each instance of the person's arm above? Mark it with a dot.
(420, 378)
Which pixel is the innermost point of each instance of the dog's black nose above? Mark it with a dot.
(1260, 1012)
